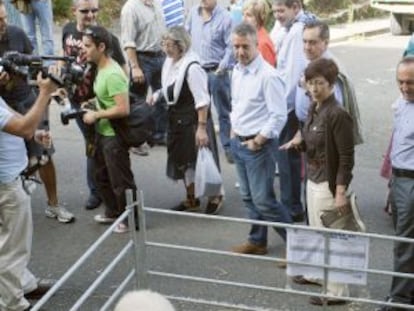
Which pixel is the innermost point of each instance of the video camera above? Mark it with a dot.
(28, 66)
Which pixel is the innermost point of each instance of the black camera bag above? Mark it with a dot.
(139, 126)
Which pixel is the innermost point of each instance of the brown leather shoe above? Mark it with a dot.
(250, 248)
(43, 285)
(318, 301)
(187, 205)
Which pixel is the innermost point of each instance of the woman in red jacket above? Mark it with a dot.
(255, 13)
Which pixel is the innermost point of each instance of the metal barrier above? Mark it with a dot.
(139, 243)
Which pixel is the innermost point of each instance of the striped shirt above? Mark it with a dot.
(173, 11)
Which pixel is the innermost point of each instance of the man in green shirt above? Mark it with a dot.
(113, 167)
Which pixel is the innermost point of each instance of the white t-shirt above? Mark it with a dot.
(13, 155)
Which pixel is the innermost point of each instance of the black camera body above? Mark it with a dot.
(72, 113)
(28, 66)
(16, 63)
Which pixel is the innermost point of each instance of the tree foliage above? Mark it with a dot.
(109, 10)
(327, 6)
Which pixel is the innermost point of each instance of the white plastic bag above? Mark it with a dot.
(208, 179)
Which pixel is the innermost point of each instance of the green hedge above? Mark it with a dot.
(62, 9)
(110, 10)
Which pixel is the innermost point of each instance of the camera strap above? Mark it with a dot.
(29, 183)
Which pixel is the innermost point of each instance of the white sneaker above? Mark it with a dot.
(59, 212)
(121, 228)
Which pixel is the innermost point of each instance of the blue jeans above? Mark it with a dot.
(13, 16)
(290, 168)
(151, 67)
(42, 11)
(255, 171)
(219, 88)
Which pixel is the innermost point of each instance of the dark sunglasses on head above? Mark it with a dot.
(86, 11)
(89, 32)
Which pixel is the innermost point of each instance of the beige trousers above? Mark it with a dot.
(16, 230)
(319, 199)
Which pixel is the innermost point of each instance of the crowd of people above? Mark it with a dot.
(280, 95)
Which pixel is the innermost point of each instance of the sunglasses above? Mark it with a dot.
(86, 11)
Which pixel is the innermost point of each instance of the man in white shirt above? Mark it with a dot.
(257, 118)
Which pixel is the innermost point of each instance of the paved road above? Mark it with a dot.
(371, 63)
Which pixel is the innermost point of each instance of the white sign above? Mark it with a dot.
(345, 251)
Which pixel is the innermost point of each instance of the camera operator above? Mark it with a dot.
(112, 163)
(86, 12)
(19, 95)
(15, 208)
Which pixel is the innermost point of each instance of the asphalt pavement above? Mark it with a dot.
(57, 246)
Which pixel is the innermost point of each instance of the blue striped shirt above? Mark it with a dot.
(211, 39)
(173, 11)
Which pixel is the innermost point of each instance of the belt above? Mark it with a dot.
(245, 138)
(398, 172)
(212, 67)
(151, 53)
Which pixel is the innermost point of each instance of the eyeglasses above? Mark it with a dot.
(168, 45)
(86, 11)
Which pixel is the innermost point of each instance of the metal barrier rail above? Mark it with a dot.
(139, 244)
(325, 231)
(132, 243)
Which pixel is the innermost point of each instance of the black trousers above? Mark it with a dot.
(113, 174)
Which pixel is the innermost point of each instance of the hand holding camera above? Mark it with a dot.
(46, 85)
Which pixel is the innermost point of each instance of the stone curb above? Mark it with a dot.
(367, 33)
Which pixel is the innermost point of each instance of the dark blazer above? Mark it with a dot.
(339, 144)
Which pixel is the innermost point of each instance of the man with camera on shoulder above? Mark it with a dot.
(19, 95)
(17, 283)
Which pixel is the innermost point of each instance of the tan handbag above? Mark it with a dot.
(351, 221)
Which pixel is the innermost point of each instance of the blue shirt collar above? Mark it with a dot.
(213, 13)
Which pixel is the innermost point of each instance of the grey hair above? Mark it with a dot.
(244, 30)
(179, 36)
